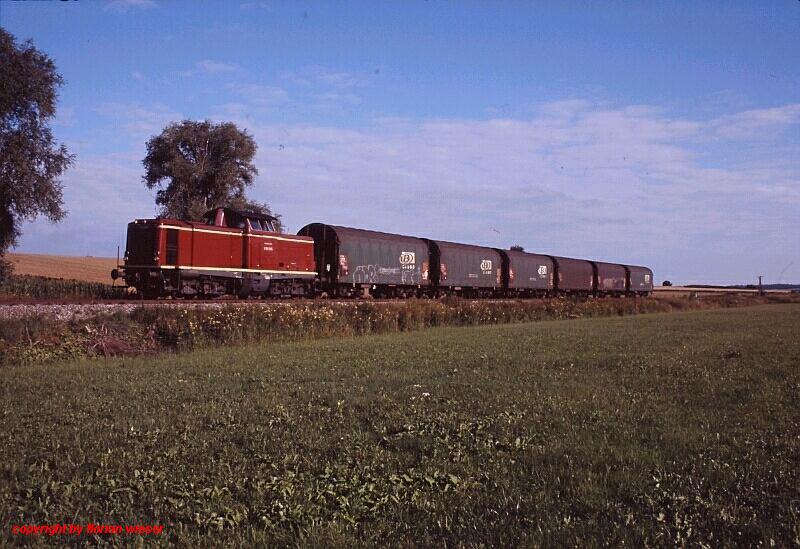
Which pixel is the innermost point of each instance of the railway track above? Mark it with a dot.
(7, 302)
(700, 291)
(658, 291)
(71, 309)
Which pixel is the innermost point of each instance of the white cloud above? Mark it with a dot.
(138, 121)
(316, 75)
(566, 108)
(333, 100)
(631, 184)
(207, 65)
(260, 95)
(257, 5)
(102, 193)
(751, 123)
(625, 184)
(123, 6)
(65, 117)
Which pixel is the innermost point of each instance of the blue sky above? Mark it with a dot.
(664, 134)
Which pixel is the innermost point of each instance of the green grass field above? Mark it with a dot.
(656, 429)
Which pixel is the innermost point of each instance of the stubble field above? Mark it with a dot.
(85, 269)
(656, 429)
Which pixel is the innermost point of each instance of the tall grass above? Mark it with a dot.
(183, 328)
(187, 328)
(41, 287)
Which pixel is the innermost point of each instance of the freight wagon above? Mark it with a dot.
(574, 275)
(461, 269)
(609, 278)
(527, 275)
(356, 262)
(639, 279)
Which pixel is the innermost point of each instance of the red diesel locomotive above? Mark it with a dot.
(240, 253)
(236, 253)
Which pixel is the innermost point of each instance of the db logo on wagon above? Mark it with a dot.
(408, 260)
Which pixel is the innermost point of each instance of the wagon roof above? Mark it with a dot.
(561, 258)
(350, 232)
(517, 253)
(608, 264)
(458, 245)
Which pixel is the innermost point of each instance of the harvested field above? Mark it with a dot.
(655, 430)
(87, 269)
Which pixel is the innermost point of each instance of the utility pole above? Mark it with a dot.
(760, 286)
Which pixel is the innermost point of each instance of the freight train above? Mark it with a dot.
(240, 253)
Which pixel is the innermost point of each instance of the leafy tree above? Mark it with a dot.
(199, 166)
(31, 162)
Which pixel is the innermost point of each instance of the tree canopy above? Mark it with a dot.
(198, 166)
(31, 162)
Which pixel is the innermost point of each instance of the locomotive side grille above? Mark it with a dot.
(141, 244)
(172, 247)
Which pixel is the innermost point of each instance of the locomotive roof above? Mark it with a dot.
(243, 213)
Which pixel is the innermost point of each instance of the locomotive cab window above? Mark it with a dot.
(261, 225)
(234, 220)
